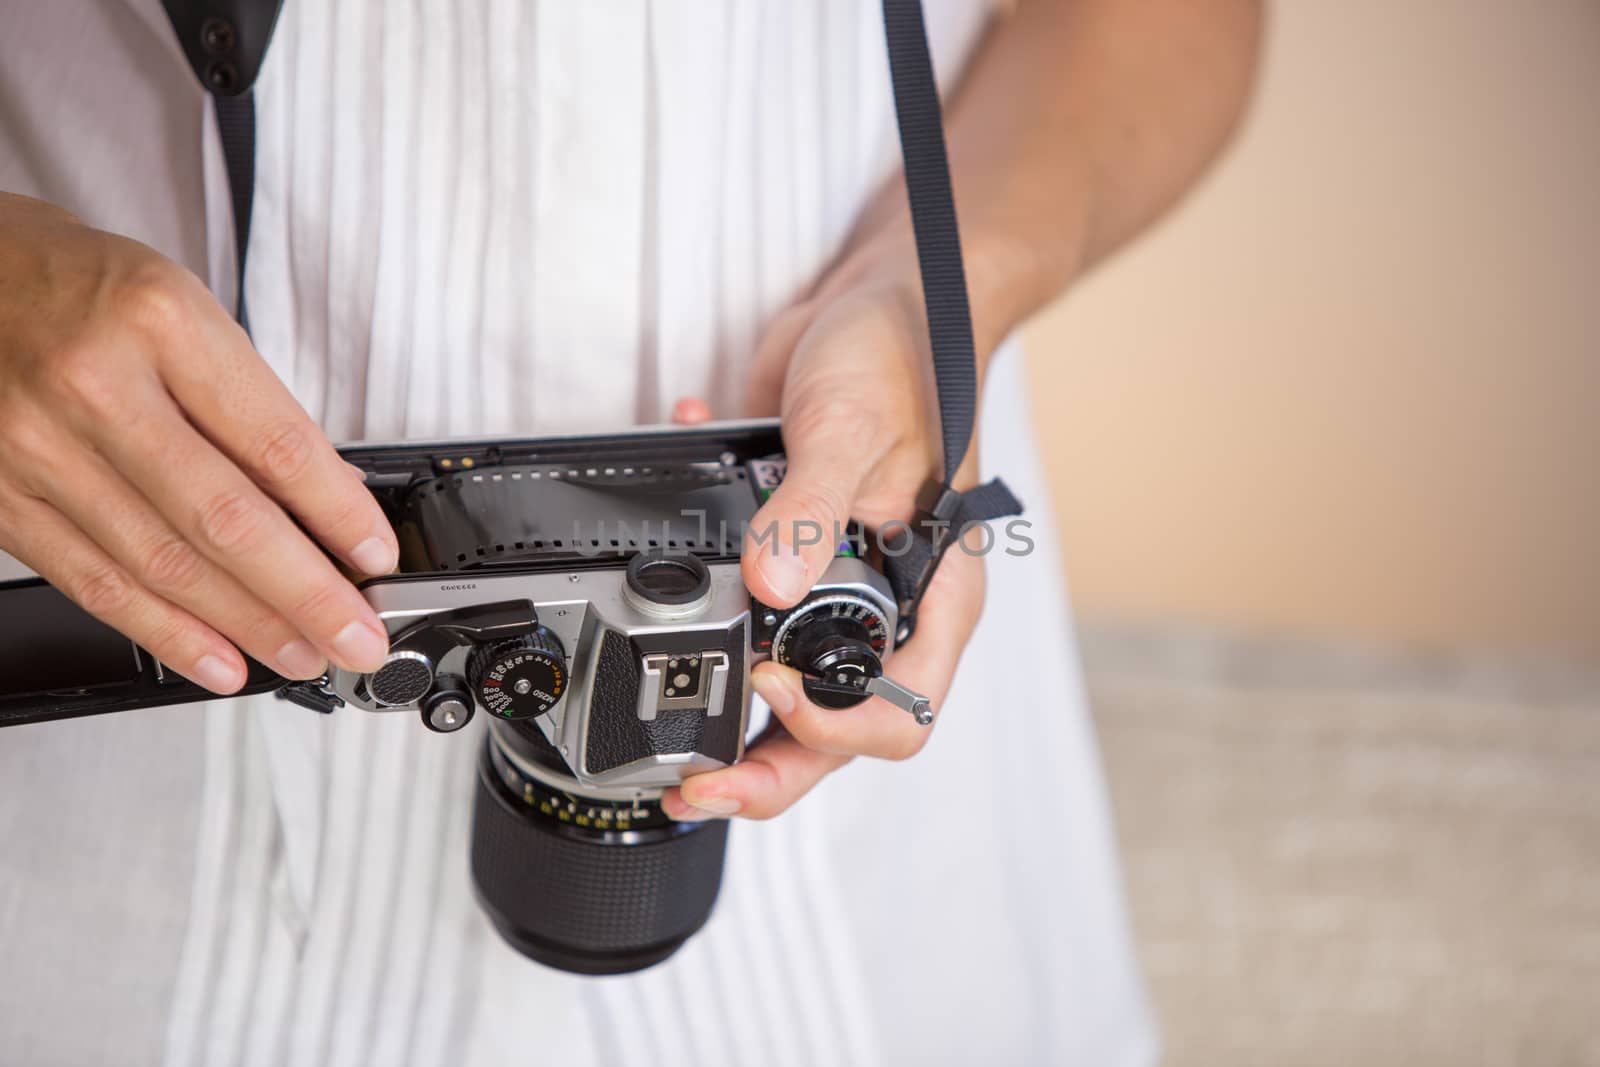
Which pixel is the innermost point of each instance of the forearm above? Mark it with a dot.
(1077, 124)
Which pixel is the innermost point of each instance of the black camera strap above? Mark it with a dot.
(226, 40)
(910, 564)
(236, 122)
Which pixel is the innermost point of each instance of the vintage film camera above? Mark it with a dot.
(584, 594)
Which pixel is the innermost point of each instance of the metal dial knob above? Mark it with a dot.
(521, 677)
(839, 652)
(448, 707)
(837, 644)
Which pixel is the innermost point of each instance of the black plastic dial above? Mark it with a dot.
(521, 677)
(837, 642)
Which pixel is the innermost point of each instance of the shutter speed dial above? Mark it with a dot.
(521, 677)
(837, 644)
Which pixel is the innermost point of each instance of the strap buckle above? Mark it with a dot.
(917, 549)
(912, 553)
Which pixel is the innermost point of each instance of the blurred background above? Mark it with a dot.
(1325, 451)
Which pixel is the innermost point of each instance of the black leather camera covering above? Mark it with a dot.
(617, 736)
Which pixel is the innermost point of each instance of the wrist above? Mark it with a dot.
(1011, 271)
(1010, 276)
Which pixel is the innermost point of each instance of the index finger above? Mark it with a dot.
(210, 502)
(240, 405)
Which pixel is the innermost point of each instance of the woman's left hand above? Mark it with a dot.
(850, 373)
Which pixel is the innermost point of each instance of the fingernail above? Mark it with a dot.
(360, 647)
(771, 689)
(357, 471)
(716, 806)
(217, 675)
(785, 572)
(374, 556)
(693, 814)
(300, 659)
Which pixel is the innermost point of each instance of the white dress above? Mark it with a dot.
(497, 216)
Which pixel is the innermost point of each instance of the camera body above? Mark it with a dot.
(600, 601)
(633, 683)
(583, 594)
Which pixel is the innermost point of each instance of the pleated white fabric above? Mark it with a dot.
(497, 216)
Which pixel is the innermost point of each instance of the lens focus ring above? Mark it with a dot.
(584, 903)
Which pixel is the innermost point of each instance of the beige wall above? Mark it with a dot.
(1353, 387)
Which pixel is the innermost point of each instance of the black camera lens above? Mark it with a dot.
(670, 580)
(592, 887)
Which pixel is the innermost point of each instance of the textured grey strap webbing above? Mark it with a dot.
(933, 218)
(225, 42)
(944, 292)
(236, 121)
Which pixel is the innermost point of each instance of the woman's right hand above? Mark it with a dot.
(150, 461)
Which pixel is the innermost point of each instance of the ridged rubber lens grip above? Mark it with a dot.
(586, 901)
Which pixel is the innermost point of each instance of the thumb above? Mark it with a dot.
(796, 533)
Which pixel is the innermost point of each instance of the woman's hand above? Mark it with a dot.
(150, 462)
(1074, 127)
(850, 373)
